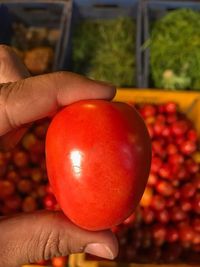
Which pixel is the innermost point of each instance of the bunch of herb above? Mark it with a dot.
(175, 50)
(105, 50)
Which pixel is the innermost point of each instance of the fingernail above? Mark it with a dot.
(99, 250)
(106, 83)
(103, 83)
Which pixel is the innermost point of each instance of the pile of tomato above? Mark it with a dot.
(166, 224)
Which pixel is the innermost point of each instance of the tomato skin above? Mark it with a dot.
(98, 156)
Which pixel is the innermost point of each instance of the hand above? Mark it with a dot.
(28, 238)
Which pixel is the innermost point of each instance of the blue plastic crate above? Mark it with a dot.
(49, 14)
(153, 10)
(94, 9)
(106, 3)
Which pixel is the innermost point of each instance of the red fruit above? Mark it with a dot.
(179, 140)
(25, 186)
(196, 204)
(3, 165)
(161, 118)
(171, 118)
(29, 204)
(148, 111)
(177, 194)
(176, 159)
(74, 161)
(188, 147)
(49, 189)
(172, 234)
(196, 238)
(182, 174)
(150, 120)
(191, 166)
(13, 176)
(186, 205)
(41, 191)
(164, 188)
(196, 248)
(36, 174)
(130, 253)
(43, 262)
(157, 203)
(20, 158)
(163, 216)
(158, 128)
(49, 202)
(192, 135)
(179, 127)
(59, 261)
(186, 234)
(13, 203)
(177, 214)
(171, 149)
(159, 234)
(187, 190)
(7, 188)
(130, 220)
(24, 172)
(41, 130)
(29, 140)
(196, 224)
(157, 147)
(170, 107)
(196, 181)
(155, 164)
(153, 178)
(148, 215)
(161, 108)
(164, 171)
(170, 202)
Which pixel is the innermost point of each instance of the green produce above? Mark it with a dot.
(175, 50)
(105, 50)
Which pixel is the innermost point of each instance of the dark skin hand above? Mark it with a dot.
(28, 238)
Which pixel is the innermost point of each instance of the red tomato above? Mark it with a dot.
(98, 157)
(59, 261)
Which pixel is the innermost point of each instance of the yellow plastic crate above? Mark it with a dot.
(189, 103)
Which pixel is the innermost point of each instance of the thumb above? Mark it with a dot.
(28, 238)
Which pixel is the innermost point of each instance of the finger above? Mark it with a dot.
(29, 238)
(11, 69)
(37, 97)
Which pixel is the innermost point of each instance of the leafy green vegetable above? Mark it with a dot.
(175, 50)
(105, 50)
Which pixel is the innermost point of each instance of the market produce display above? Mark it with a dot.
(105, 50)
(166, 226)
(35, 46)
(174, 50)
(98, 156)
(23, 178)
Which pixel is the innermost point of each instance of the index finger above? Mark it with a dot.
(36, 97)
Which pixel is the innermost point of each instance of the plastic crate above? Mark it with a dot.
(107, 3)
(108, 10)
(45, 13)
(189, 103)
(153, 10)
